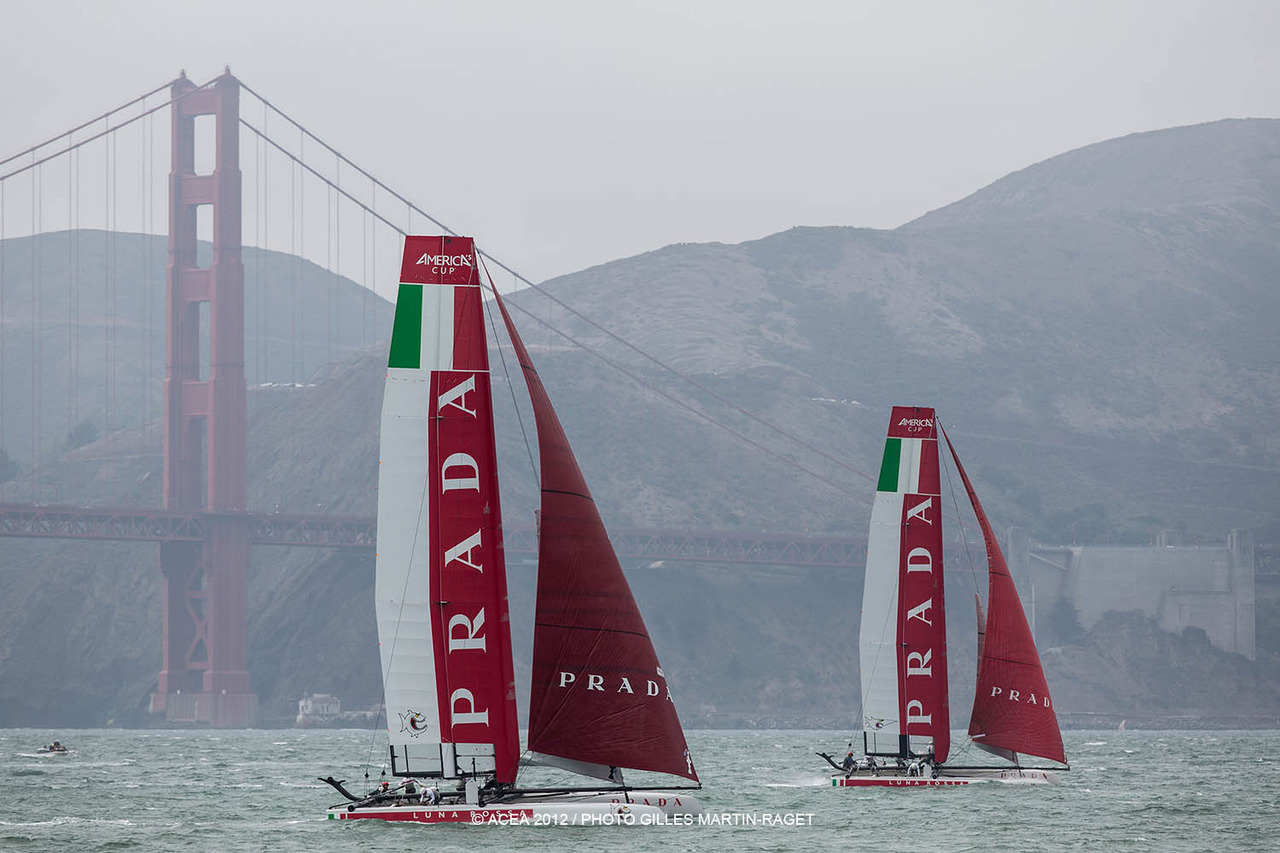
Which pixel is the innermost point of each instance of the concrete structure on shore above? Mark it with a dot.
(1207, 587)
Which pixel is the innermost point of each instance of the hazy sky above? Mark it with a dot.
(566, 134)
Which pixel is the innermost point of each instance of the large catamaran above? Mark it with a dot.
(599, 702)
(906, 724)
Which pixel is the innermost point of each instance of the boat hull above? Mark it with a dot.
(899, 782)
(948, 779)
(600, 809)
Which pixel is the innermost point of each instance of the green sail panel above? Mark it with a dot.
(406, 333)
(889, 466)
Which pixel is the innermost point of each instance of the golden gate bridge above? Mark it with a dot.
(204, 526)
(213, 349)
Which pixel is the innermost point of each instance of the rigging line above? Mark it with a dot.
(96, 136)
(951, 487)
(91, 121)
(511, 385)
(686, 406)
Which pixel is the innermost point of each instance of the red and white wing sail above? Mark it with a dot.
(902, 641)
(441, 595)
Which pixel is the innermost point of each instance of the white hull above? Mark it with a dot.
(947, 779)
(605, 808)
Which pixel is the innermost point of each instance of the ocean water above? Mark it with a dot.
(177, 790)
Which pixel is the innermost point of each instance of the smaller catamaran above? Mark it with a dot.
(906, 725)
(599, 701)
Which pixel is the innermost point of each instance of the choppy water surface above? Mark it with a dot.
(257, 790)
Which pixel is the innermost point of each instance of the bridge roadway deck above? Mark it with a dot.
(319, 531)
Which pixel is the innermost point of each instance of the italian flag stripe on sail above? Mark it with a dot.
(900, 468)
(406, 334)
(910, 463)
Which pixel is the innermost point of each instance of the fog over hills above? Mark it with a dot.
(1096, 332)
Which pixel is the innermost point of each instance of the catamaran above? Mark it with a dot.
(599, 701)
(906, 726)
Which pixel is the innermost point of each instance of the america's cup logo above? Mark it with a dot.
(444, 264)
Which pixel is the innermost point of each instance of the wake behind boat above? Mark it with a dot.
(599, 702)
(906, 726)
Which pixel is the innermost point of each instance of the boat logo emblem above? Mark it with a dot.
(413, 723)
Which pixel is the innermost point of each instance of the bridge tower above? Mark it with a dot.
(204, 675)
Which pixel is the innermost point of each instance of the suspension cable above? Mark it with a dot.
(97, 136)
(37, 194)
(676, 401)
(73, 310)
(2, 318)
(91, 121)
(413, 208)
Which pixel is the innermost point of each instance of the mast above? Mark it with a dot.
(1012, 711)
(902, 641)
(599, 700)
(441, 594)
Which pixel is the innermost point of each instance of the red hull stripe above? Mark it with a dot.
(899, 783)
(439, 815)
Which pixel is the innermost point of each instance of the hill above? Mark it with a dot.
(1094, 331)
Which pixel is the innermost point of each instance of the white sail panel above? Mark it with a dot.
(909, 462)
(878, 636)
(402, 587)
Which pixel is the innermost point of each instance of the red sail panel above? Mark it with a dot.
(439, 260)
(922, 626)
(466, 574)
(1012, 710)
(451, 261)
(474, 670)
(598, 694)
